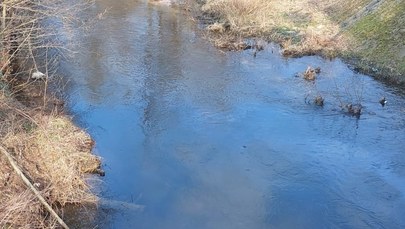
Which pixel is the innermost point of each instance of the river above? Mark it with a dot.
(194, 137)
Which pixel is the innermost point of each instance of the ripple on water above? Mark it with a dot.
(206, 139)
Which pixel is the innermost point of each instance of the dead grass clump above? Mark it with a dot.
(218, 28)
(302, 27)
(310, 74)
(367, 33)
(53, 153)
(18, 211)
(315, 43)
(229, 42)
(248, 17)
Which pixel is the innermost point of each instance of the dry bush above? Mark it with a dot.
(54, 154)
(29, 29)
(23, 210)
(249, 17)
(63, 154)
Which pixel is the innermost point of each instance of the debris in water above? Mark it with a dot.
(383, 101)
(353, 109)
(310, 73)
(319, 100)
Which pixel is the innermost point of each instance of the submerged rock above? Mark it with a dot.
(353, 109)
(319, 100)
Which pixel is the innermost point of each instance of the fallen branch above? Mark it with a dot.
(31, 186)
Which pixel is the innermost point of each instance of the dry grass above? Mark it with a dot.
(53, 153)
(302, 27)
(248, 17)
(368, 33)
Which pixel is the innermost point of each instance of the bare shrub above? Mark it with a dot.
(33, 32)
(52, 152)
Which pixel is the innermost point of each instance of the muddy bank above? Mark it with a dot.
(369, 35)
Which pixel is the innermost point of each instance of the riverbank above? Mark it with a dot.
(53, 154)
(51, 151)
(367, 34)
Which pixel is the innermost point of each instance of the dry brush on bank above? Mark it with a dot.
(29, 28)
(300, 26)
(51, 151)
(368, 33)
(54, 155)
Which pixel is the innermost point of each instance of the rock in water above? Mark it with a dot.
(319, 100)
(383, 101)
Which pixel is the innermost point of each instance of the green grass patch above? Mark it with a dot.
(284, 33)
(342, 10)
(380, 37)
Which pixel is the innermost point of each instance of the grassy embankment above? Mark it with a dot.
(369, 34)
(52, 152)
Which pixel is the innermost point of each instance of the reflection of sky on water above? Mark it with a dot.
(205, 139)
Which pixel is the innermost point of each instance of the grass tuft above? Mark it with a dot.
(53, 153)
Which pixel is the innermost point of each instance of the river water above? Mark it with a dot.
(193, 137)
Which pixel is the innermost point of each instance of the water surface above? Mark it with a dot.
(208, 139)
